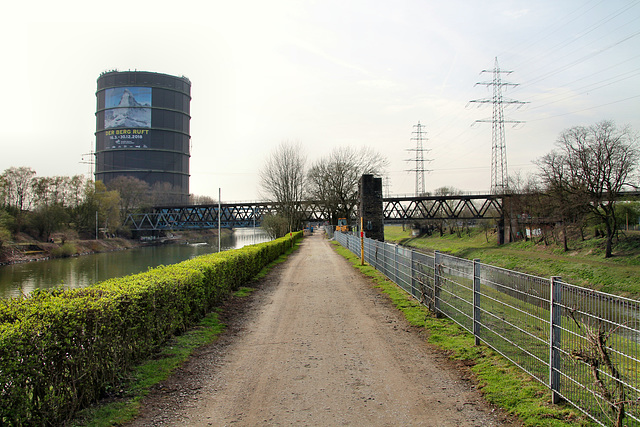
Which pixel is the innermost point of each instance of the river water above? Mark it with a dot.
(82, 271)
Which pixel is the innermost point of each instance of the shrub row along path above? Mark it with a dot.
(317, 344)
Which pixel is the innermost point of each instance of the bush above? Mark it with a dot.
(60, 350)
(66, 250)
(6, 224)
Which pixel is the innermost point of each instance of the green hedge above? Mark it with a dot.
(60, 350)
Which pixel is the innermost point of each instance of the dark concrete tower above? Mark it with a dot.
(371, 207)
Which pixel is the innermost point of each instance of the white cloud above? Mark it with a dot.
(516, 14)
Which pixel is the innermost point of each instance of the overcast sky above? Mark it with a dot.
(325, 73)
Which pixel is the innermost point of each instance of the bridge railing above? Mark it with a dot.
(582, 344)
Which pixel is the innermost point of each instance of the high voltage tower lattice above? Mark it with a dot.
(498, 148)
(419, 137)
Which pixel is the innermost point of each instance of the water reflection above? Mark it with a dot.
(78, 272)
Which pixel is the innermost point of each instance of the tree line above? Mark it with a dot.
(581, 182)
(41, 206)
(579, 185)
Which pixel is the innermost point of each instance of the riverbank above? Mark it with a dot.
(26, 249)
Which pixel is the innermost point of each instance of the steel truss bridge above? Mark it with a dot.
(237, 215)
(406, 209)
(232, 215)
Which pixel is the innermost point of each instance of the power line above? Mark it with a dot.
(567, 42)
(579, 60)
(586, 109)
(590, 88)
(560, 24)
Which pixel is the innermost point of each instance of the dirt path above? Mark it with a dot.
(317, 345)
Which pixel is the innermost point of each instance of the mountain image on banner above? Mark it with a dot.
(128, 113)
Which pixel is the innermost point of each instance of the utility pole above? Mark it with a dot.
(419, 137)
(499, 173)
(89, 161)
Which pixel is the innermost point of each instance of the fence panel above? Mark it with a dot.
(515, 318)
(600, 350)
(455, 297)
(422, 270)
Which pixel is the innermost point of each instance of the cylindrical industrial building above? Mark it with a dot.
(142, 130)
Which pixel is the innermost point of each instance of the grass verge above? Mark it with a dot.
(125, 406)
(501, 383)
(584, 265)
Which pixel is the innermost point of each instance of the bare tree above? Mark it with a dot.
(134, 194)
(282, 181)
(165, 194)
(595, 163)
(75, 195)
(196, 199)
(65, 191)
(439, 221)
(17, 187)
(333, 180)
(274, 225)
(17, 191)
(558, 203)
(531, 211)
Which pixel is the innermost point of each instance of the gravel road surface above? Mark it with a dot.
(317, 344)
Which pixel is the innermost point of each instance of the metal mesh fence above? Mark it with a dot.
(583, 344)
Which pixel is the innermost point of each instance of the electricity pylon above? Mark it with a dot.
(419, 170)
(499, 173)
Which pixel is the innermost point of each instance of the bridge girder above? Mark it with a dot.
(236, 215)
(442, 207)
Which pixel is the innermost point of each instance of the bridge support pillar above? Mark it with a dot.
(505, 231)
(371, 209)
(501, 231)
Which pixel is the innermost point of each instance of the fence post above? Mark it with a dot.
(476, 301)
(436, 282)
(385, 260)
(555, 309)
(361, 241)
(395, 264)
(377, 264)
(413, 276)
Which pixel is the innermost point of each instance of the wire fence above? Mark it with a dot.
(582, 344)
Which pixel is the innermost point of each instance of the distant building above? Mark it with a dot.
(142, 130)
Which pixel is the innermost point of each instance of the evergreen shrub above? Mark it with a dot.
(61, 350)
